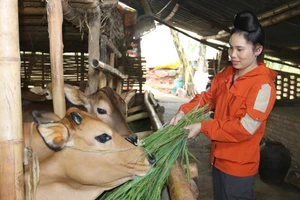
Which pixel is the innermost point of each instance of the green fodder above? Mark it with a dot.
(167, 145)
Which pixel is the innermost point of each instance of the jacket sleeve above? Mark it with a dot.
(258, 105)
(205, 97)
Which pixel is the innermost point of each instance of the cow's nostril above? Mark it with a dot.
(131, 140)
(151, 159)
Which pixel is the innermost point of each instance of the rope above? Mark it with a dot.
(103, 151)
(33, 176)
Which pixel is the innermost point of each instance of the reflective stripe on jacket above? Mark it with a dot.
(241, 110)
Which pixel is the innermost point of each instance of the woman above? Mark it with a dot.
(242, 95)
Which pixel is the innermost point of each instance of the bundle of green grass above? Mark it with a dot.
(167, 145)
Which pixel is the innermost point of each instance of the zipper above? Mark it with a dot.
(214, 161)
(232, 81)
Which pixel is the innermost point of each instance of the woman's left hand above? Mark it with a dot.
(194, 130)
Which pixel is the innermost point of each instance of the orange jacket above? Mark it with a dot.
(241, 110)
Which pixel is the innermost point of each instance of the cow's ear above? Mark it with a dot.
(55, 135)
(75, 96)
(44, 117)
(127, 96)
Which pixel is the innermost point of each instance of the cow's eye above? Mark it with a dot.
(101, 111)
(76, 117)
(103, 138)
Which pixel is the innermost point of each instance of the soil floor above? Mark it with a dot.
(200, 148)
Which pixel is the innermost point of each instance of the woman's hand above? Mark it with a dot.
(178, 116)
(194, 130)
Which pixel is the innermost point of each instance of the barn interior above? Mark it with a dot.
(120, 26)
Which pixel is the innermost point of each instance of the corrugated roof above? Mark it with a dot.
(208, 18)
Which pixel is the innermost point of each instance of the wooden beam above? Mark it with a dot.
(32, 11)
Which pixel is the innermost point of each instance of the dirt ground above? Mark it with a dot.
(200, 148)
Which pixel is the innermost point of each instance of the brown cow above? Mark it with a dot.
(81, 157)
(105, 104)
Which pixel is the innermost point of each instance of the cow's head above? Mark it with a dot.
(45, 92)
(106, 105)
(89, 152)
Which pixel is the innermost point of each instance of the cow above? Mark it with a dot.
(80, 156)
(105, 104)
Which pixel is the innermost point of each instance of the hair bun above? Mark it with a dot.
(247, 21)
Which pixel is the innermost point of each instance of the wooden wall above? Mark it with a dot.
(36, 69)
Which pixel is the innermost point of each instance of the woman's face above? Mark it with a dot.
(242, 53)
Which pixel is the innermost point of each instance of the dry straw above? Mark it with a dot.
(167, 145)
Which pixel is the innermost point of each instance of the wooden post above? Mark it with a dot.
(55, 20)
(11, 137)
(94, 52)
(103, 56)
(179, 187)
(110, 80)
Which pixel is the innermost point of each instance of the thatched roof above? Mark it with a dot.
(77, 13)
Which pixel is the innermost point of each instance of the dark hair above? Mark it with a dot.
(246, 23)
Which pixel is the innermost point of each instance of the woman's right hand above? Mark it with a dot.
(179, 115)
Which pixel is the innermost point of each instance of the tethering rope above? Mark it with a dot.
(33, 177)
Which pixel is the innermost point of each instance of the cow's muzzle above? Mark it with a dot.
(151, 158)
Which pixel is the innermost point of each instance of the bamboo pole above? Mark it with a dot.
(155, 121)
(143, 134)
(273, 19)
(55, 20)
(135, 109)
(96, 64)
(280, 9)
(138, 116)
(11, 137)
(171, 15)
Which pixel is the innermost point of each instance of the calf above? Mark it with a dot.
(80, 157)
